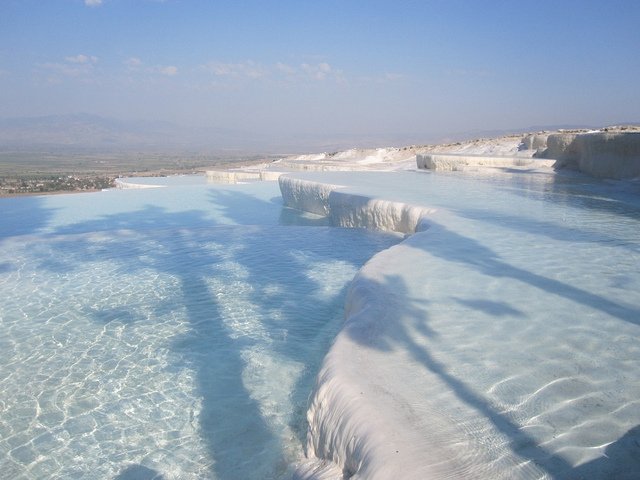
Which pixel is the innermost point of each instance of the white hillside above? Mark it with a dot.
(398, 158)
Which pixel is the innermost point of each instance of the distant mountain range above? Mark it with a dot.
(85, 131)
(81, 132)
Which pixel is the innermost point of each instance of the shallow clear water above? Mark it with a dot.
(172, 331)
(178, 331)
(518, 335)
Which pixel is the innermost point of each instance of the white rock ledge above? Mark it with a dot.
(128, 184)
(347, 436)
(599, 154)
(235, 176)
(454, 162)
(354, 423)
(351, 210)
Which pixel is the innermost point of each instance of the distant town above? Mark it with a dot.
(33, 172)
(52, 184)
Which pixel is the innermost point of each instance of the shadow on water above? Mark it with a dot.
(459, 249)
(168, 243)
(308, 324)
(621, 459)
(452, 247)
(139, 472)
(23, 216)
(619, 197)
(175, 244)
(578, 190)
(489, 307)
(290, 216)
(549, 229)
(571, 202)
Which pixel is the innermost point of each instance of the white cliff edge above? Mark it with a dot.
(122, 183)
(349, 435)
(236, 176)
(461, 162)
(351, 210)
(605, 154)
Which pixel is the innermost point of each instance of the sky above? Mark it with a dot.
(325, 67)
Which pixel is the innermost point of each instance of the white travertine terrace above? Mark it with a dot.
(600, 154)
(347, 437)
(392, 402)
(373, 416)
(235, 176)
(351, 210)
(534, 141)
(128, 184)
(357, 429)
(460, 162)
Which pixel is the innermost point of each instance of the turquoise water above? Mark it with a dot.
(510, 330)
(176, 332)
(165, 333)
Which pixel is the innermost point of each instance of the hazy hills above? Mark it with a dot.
(78, 132)
(85, 132)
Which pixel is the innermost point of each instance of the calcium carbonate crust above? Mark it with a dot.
(599, 154)
(351, 210)
(347, 436)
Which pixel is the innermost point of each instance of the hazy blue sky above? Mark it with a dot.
(324, 66)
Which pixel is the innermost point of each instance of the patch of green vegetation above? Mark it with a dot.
(24, 172)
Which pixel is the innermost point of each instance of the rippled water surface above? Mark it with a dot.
(172, 332)
(176, 332)
(518, 336)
